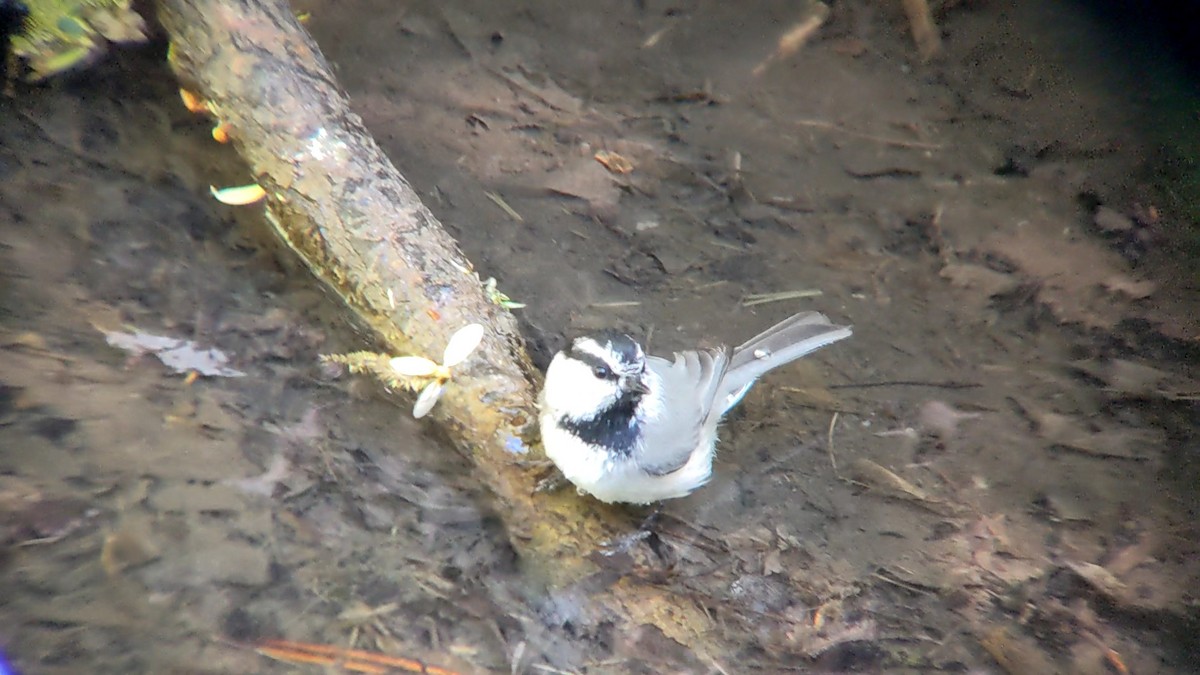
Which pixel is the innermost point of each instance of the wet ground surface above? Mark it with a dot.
(996, 474)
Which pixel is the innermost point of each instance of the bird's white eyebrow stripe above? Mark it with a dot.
(589, 347)
(590, 353)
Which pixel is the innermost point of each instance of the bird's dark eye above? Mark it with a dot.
(602, 372)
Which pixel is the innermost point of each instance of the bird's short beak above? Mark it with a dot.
(632, 385)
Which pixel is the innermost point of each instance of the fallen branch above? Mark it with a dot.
(949, 384)
(335, 199)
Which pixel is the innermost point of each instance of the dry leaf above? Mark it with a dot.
(179, 355)
(988, 281)
(588, 181)
(940, 419)
(1138, 290)
(772, 563)
(1108, 440)
(1139, 380)
(1112, 221)
(872, 474)
(1071, 274)
(1016, 655)
(1100, 579)
(613, 162)
(123, 550)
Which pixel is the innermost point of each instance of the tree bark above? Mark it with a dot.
(338, 202)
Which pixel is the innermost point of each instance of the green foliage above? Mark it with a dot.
(64, 34)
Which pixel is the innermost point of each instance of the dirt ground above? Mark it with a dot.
(998, 473)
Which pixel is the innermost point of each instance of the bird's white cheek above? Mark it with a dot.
(573, 390)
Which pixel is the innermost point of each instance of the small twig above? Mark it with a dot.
(796, 37)
(902, 584)
(615, 304)
(355, 660)
(829, 445)
(623, 544)
(724, 244)
(550, 669)
(711, 284)
(699, 538)
(656, 36)
(764, 298)
(949, 384)
(898, 142)
(499, 201)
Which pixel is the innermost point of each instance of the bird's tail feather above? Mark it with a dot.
(780, 344)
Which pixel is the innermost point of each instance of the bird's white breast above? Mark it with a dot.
(617, 478)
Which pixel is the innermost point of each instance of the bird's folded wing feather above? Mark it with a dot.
(690, 384)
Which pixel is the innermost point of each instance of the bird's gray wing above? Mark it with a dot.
(690, 383)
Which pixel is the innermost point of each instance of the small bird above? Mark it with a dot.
(627, 427)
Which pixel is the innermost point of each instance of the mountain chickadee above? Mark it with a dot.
(627, 427)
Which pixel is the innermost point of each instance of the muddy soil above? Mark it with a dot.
(998, 473)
